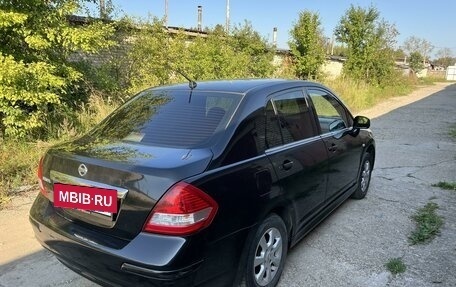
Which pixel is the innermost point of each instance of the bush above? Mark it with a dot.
(36, 76)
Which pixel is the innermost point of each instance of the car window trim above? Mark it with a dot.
(280, 148)
(336, 134)
(234, 164)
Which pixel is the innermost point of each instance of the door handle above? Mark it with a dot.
(287, 164)
(333, 147)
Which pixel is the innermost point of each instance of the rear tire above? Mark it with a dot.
(267, 253)
(364, 176)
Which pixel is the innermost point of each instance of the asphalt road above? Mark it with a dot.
(351, 247)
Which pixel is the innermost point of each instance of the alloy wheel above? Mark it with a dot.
(268, 256)
(365, 176)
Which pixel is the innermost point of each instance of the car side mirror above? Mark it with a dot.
(361, 122)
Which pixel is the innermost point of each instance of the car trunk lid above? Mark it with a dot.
(139, 175)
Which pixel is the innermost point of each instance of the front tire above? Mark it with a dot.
(364, 176)
(267, 253)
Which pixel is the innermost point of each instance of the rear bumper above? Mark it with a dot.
(110, 266)
(147, 260)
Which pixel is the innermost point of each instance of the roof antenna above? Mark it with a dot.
(191, 83)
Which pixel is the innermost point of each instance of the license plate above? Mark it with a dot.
(87, 198)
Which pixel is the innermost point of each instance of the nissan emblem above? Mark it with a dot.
(82, 169)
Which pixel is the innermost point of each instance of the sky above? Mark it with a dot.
(431, 20)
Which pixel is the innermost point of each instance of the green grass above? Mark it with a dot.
(18, 163)
(395, 266)
(453, 131)
(437, 77)
(446, 185)
(427, 81)
(82, 120)
(358, 95)
(428, 224)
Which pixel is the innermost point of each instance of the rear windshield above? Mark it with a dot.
(170, 118)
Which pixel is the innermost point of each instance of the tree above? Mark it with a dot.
(260, 55)
(416, 62)
(37, 79)
(422, 46)
(370, 44)
(216, 57)
(157, 57)
(307, 45)
(399, 54)
(412, 44)
(445, 57)
(340, 50)
(152, 54)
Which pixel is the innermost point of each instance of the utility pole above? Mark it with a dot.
(200, 18)
(227, 23)
(102, 9)
(166, 14)
(274, 37)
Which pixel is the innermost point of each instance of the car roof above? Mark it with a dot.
(235, 86)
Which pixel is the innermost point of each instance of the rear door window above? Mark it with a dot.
(170, 118)
(294, 117)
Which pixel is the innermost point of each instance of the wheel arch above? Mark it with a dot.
(371, 150)
(284, 212)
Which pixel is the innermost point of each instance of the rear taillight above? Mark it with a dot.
(40, 177)
(183, 210)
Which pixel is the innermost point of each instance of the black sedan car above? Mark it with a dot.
(205, 185)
